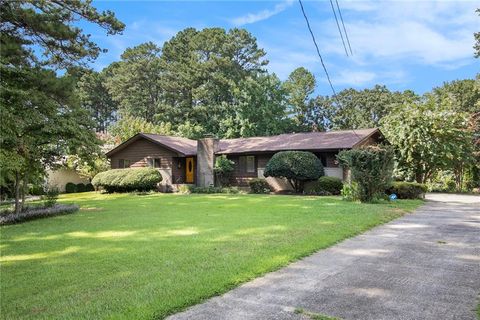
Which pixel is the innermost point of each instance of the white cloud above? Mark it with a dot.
(262, 15)
(354, 78)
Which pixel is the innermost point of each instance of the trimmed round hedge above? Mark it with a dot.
(127, 180)
(70, 187)
(81, 187)
(296, 166)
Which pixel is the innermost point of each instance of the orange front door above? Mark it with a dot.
(189, 170)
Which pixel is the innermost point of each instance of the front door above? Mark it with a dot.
(189, 170)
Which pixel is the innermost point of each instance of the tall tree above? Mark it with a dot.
(40, 117)
(428, 136)
(477, 40)
(299, 87)
(135, 82)
(95, 97)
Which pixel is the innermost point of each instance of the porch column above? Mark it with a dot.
(206, 149)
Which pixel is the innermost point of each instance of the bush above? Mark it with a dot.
(81, 187)
(207, 190)
(50, 198)
(89, 187)
(223, 170)
(350, 192)
(37, 213)
(407, 190)
(36, 190)
(70, 187)
(296, 166)
(324, 186)
(259, 186)
(371, 168)
(127, 180)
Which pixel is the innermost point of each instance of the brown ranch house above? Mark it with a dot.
(187, 161)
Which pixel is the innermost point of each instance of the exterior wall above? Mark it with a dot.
(60, 177)
(242, 178)
(138, 152)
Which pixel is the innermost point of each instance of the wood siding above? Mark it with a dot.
(138, 152)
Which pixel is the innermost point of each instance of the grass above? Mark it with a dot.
(144, 257)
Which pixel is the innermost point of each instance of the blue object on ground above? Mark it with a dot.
(393, 196)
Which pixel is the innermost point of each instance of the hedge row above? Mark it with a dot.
(207, 190)
(407, 190)
(79, 187)
(37, 213)
(259, 186)
(324, 186)
(127, 180)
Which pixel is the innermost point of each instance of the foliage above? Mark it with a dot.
(127, 180)
(407, 190)
(36, 190)
(253, 234)
(89, 187)
(324, 185)
(477, 55)
(350, 191)
(41, 118)
(37, 213)
(50, 197)
(208, 190)
(223, 169)
(371, 168)
(299, 87)
(81, 187)
(70, 187)
(128, 126)
(356, 109)
(429, 137)
(259, 186)
(97, 163)
(296, 166)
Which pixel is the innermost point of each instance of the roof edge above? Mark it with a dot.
(127, 142)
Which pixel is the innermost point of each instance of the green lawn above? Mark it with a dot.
(144, 257)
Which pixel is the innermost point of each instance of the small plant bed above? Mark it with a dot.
(36, 212)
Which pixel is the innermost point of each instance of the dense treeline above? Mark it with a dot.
(200, 82)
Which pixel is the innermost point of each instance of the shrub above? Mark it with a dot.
(50, 198)
(127, 180)
(296, 166)
(223, 170)
(70, 187)
(350, 192)
(89, 187)
(36, 190)
(81, 187)
(259, 186)
(407, 190)
(37, 213)
(324, 186)
(371, 168)
(208, 190)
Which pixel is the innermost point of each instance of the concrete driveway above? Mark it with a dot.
(424, 265)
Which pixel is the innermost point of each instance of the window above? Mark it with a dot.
(247, 164)
(122, 163)
(153, 162)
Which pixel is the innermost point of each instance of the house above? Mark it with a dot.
(187, 161)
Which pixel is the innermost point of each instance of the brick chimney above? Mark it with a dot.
(206, 149)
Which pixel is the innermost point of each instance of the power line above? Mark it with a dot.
(344, 29)
(321, 59)
(338, 26)
(318, 50)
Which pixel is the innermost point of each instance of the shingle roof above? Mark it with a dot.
(296, 141)
(330, 140)
(183, 146)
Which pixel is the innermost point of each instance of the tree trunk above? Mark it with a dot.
(18, 204)
(23, 190)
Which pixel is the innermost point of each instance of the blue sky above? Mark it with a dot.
(402, 44)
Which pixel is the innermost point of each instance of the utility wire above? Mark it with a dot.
(338, 26)
(321, 59)
(344, 29)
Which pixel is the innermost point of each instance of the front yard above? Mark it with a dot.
(144, 257)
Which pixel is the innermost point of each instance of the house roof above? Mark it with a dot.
(182, 146)
(330, 140)
(297, 141)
